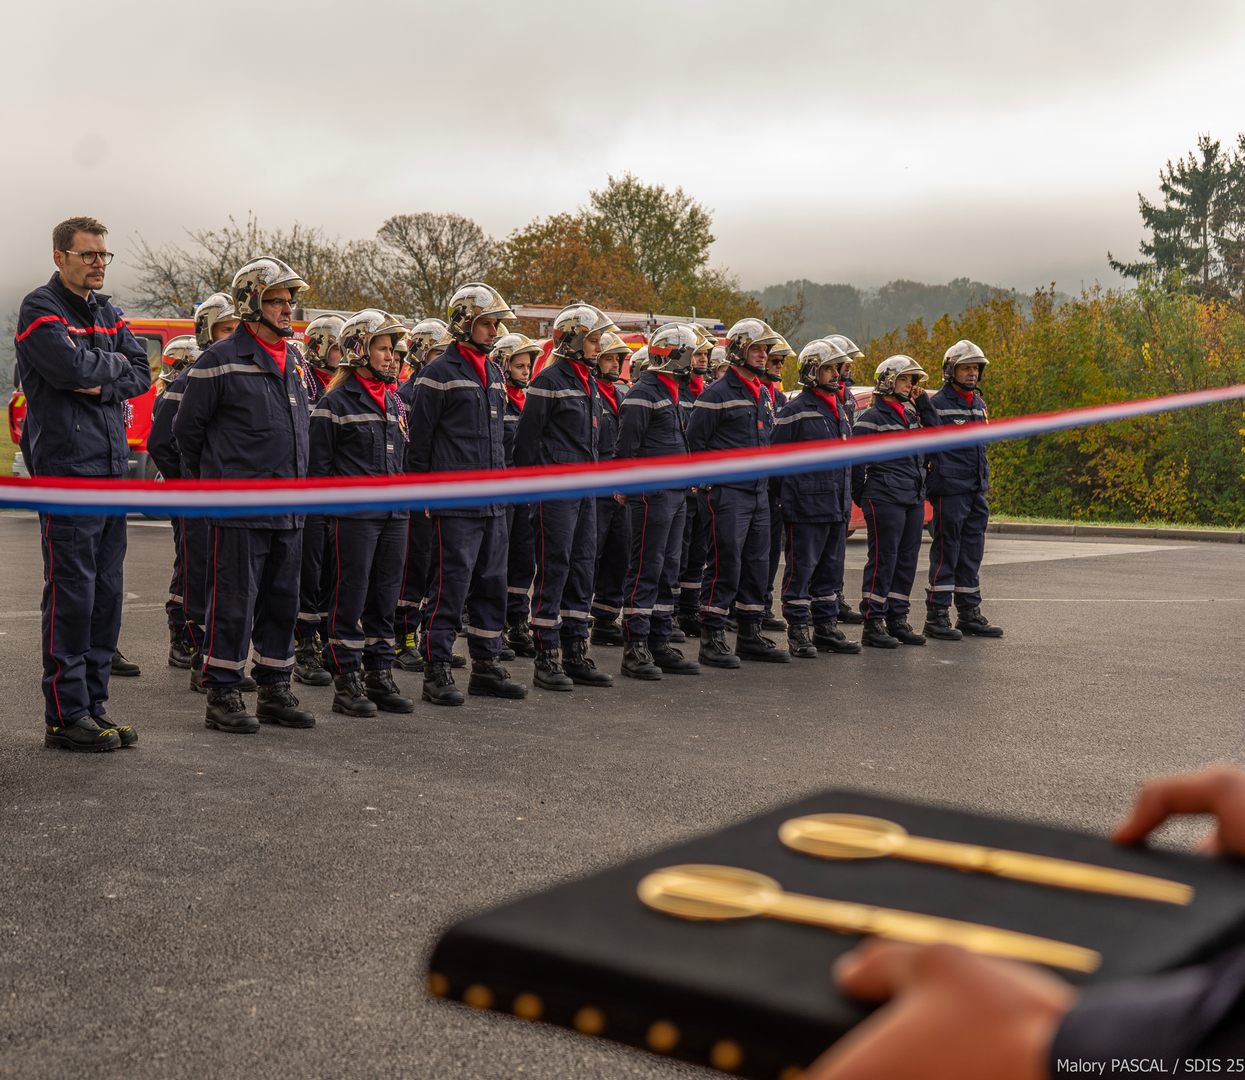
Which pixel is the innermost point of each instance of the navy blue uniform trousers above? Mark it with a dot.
(520, 565)
(175, 605)
(613, 558)
(468, 568)
(958, 528)
(894, 533)
(316, 578)
(413, 591)
(367, 562)
(566, 556)
(194, 546)
(738, 555)
(82, 594)
(814, 575)
(252, 595)
(653, 569)
(776, 536)
(692, 562)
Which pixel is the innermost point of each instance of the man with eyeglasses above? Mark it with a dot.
(78, 364)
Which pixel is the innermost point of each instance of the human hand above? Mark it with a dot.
(92, 390)
(1218, 790)
(620, 499)
(950, 1015)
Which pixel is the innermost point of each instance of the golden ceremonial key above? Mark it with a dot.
(716, 893)
(852, 836)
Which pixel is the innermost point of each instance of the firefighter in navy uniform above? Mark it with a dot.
(847, 614)
(891, 495)
(560, 426)
(427, 340)
(778, 356)
(958, 484)
(79, 364)
(359, 429)
(457, 423)
(695, 529)
(816, 508)
(613, 521)
(651, 424)
(244, 415)
(322, 353)
(515, 354)
(736, 412)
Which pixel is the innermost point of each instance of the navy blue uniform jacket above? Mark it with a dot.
(727, 417)
(954, 472)
(561, 420)
(816, 496)
(650, 422)
(901, 480)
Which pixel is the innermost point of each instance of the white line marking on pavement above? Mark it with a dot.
(1111, 600)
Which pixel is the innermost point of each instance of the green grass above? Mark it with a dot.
(7, 453)
(1027, 520)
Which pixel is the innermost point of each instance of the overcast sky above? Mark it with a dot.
(838, 142)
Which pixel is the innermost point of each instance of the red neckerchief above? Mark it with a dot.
(773, 392)
(375, 390)
(609, 394)
(582, 371)
(325, 377)
(669, 384)
(518, 397)
(830, 400)
(751, 382)
(968, 398)
(696, 384)
(899, 407)
(277, 351)
(477, 360)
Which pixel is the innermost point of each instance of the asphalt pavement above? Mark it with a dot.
(215, 905)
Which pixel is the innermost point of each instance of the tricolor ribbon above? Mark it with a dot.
(440, 491)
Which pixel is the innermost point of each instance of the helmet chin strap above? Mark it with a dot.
(287, 332)
(612, 376)
(388, 378)
(518, 384)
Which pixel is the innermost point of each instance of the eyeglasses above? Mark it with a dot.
(91, 257)
(283, 302)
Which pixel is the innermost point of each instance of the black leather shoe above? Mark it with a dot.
(938, 624)
(547, 672)
(180, 650)
(123, 667)
(226, 711)
(902, 632)
(519, 639)
(247, 685)
(972, 621)
(848, 615)
(406, 655)
(606, 632)
(84, 735)
(714, 651)
(350, 699)
(670, 660)
(490, 679)
(677, 635)
(381, 689)
(800, 642)
(829, 638)
(439, 685)
(637, 662)
(196, 674)
(278, 705)
(771, 622)
(307, 667)
(876, 637)
(750, 645)
(129, 737)
(581, 667)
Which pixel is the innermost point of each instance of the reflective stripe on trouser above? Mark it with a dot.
(777, 536)
(316, 577)
(520, 564)
(692, 562)
(252, 599)
(195, 574)
(367, 560)
(468, 567)
(894, 546)
(413, 590)
(653, 568)
(175, 605)
(82, 594)
(738, 555)
(566, 555)
(958, 529)
(613, 556)
(814, 573)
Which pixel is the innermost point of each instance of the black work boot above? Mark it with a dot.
(406, 655)
(750, 645)
(384, 693)
(900, 629)
(829, 638)
(196, 673)
(439, 685)
(247, 685)
(972, 621)
(180, 649)
(938, 624)
(519, 639)
(876, 637)
(800, 642)
(676, 634)
(714, 651)
(278, 705)
(771, 622)
(456, 661)
(350, 698)
(848, 614)
(637, 662)
(307, 667)
(123, 667)
(84, 735)
(490, 679)
(547, 671)
(689, 623)
(226, 711)
(671, 660)
(581, 667)
(129, 737)
(606, 631)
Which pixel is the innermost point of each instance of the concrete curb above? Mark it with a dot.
(1026, 528)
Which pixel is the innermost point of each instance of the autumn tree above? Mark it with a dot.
(711, 294)
(426, 256)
